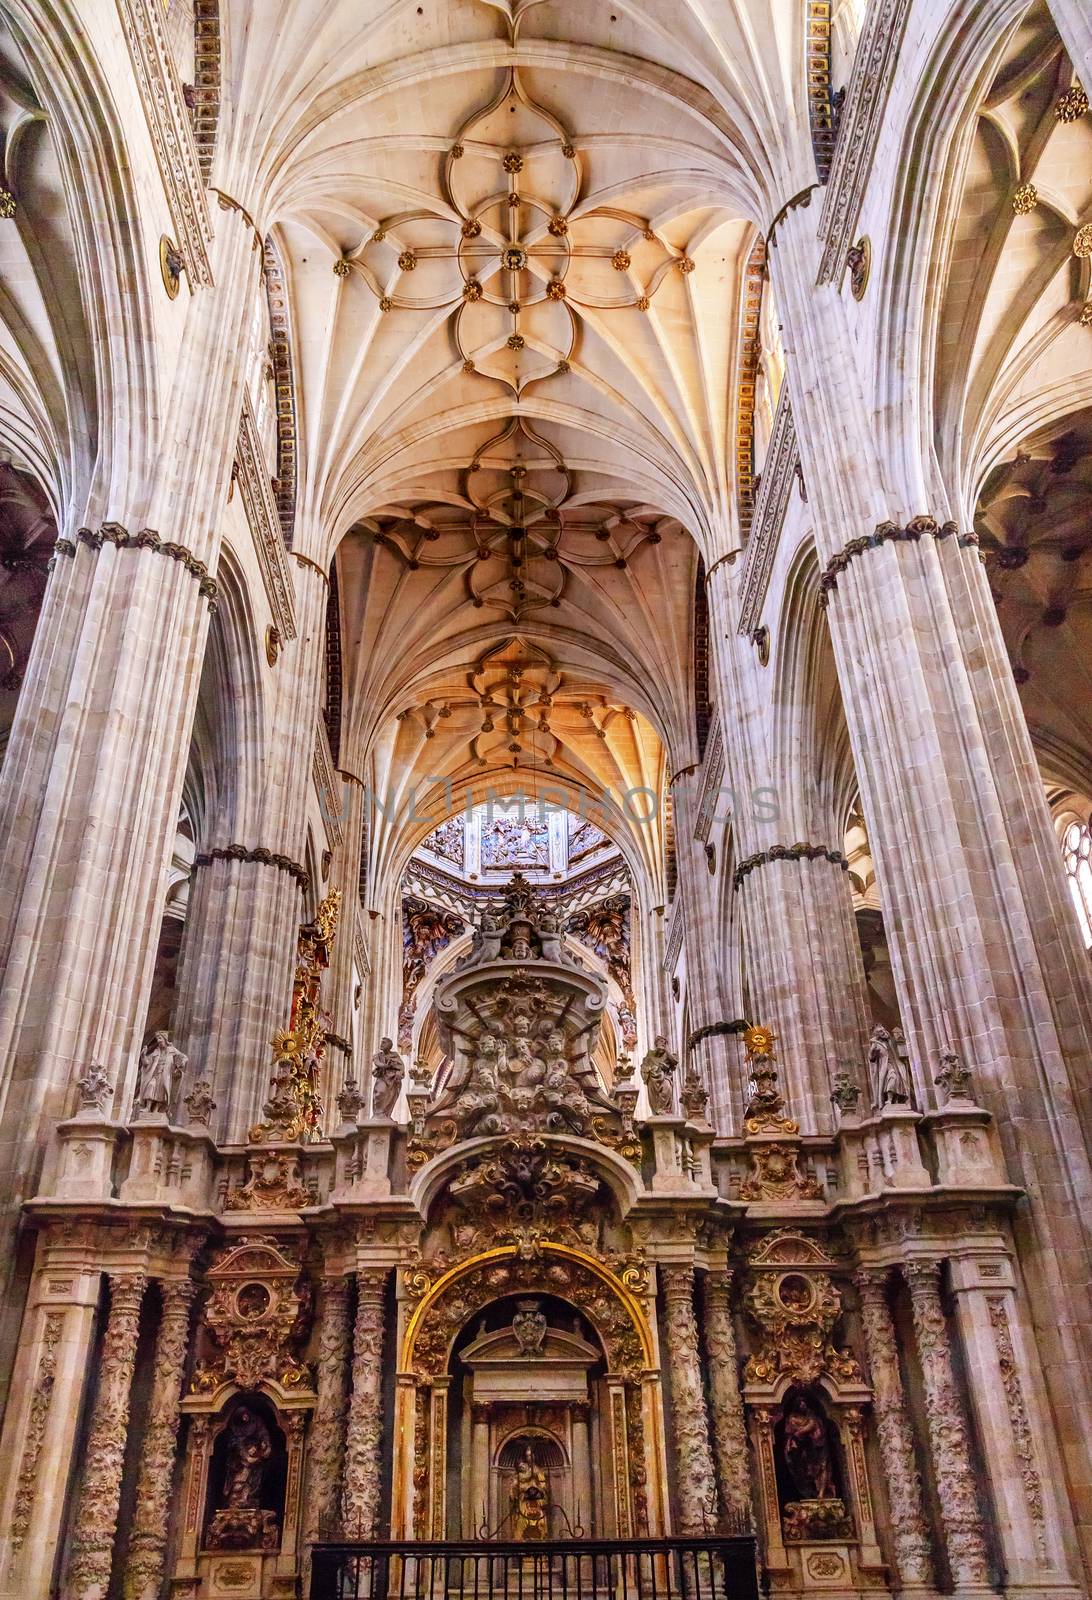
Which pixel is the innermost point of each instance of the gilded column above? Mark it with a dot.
(959, 1511)
(328, 1426)
(360, 1485)
(96, 1520)
(725, 1404)
(148, 1543)
(697, 1491)
(894, 1432)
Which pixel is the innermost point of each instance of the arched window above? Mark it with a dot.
(1076, 851)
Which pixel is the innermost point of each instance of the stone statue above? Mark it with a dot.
(388, 1071)
(479, 1100)
(200, 1103)
(887, 1070)
(94, 1089)
(161, 1067)
(249, 1448)
(529, 1327)
(657, 1073)
(806, 1451)
(529, 1498)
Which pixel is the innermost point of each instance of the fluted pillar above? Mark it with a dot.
(96, 1521)
(959, 1512)
(148, 1541)
(730, 1449)
(894, 1432)
(360, 1482)
(328, 1425)
(695, 1477)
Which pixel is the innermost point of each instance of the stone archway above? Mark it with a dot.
(634, 1416)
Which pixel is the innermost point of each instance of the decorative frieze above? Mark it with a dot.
(712, 778)
(1019, 1421)
(959, 1512)
(695, 1473)
(41, 1400)
(172, 136)
(151, 1518)
(360, 1481)
(263, 520)
(887, 532)
(326, 786)
(788, 852)
(859, 129)
(147, 539)
(909, 1531)
(771, 505)
(95, 1524)
(258, 856)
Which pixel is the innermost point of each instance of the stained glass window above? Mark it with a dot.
(1076, 850)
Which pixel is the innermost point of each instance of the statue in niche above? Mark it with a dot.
(242, 1523)
(806, 1452)
(887, 1068)
(529, 1328)
(529, 1498)
(388, 1072)
(658, 1075)
(162, 1066)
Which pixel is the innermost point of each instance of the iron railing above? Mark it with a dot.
(706, 1568)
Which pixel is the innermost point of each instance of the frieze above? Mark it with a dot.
(772, 501)
(712, 777)
(258, 856)
(1019, 1422)
(325, 783)
(26, 1486)
(147, 539)
(172, 135)
(788, 852)
(885, 533)
(263, 519)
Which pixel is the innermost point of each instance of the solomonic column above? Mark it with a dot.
(88, 1575)
(360, 1487)
(725, 1403)
(695, 1476)
(959, 1511)
(328, 1427)
(148, 1544)
(894, 1433)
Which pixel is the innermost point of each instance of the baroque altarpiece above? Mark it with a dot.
(521, 1303)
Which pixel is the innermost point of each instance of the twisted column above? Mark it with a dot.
(148, 1543)
(697, 1491)
(894, 1432)
(360, 1486)
(88, 1575)
(725, 1404)
(328, 1425)
(959, 1512)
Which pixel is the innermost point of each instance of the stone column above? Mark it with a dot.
(909, 1531)
(328, 1427)
(92, 1548)
(725, 1403)
(148, 1541)
(583, 1508)
(360, 1483)
(955, 1483)
(695, 1479)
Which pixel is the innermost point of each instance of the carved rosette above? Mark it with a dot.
(725, 1404)
(690, 1425)
(328, 1427)
(360, 1485)
(96, 1519)
(148, 1543)
(894, 1432)
(947, 1428)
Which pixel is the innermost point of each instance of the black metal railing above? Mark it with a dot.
(706, 1568)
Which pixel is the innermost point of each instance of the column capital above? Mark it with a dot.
(676, 1280)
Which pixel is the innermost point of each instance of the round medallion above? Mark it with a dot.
(514, 258)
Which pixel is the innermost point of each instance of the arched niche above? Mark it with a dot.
(626, 1408)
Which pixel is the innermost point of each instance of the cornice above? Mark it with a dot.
(778, 471)
(172, 134)
(327, 785)
(859, 130)
(710, 783)
(264, 520)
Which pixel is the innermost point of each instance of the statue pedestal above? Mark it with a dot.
(173, 1166)
(964, 1143)
(363, 1155)
(85, 1161)
(899, 1164)
(670, 1176)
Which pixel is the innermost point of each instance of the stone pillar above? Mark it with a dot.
(959, 1512)
(695, 1479)
(909, 1531)
(1072, 20)
(583, 1508)
(148, 1540)
(725, 1404)
(328, 1426)
(92, 1547)
(360, 1482)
